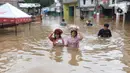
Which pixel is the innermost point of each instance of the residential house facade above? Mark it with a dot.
(124, 5)
(106, 9)
(69, 8)
(128, 11)
(90, 7)
(87, 7)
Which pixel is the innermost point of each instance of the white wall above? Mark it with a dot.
(69, 1)
(111, 2)
(87, 4)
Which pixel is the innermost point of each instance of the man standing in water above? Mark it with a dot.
(105, 32)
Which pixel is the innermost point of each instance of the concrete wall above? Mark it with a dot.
(69, 1)
(66, 10)
(88, 3)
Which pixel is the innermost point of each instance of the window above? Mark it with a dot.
(91, 1)
(113, 1)
(84, 2)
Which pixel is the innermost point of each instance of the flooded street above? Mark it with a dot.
(32, 52)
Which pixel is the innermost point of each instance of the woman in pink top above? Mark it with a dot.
(73, 40)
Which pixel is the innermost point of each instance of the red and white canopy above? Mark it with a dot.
(11, 14)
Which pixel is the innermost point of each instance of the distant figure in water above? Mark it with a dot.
(56, 37)
(63, 23)
(73, 40)
(105, 32)
(89, 23)
(82, 17)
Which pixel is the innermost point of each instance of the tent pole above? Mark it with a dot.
(2, 25)
(29, 25)
(16, 29)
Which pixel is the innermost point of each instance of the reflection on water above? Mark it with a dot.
(75, 57)
(56, 54)
(32, 52)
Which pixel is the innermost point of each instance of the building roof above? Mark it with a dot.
(29, 5)
(9, 11)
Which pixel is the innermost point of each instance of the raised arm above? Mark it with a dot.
(80, 35)
(99, 33)
(51, 37)
(110, 33)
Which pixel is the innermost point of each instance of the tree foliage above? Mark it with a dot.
(46, 2)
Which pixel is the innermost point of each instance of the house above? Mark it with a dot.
(111, 7)
(105, 7)
(13, 2)
(124, 6)
(121, 7)
(69, 8)
(87, 7)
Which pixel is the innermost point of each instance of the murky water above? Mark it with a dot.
(31, 51)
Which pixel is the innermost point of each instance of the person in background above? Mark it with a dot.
(63, 23)
(56, 38)
(82, 17)
(105, 32)
(89, 23)
(73, 40)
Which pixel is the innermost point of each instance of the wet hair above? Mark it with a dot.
(89, 20)
(106, 25)
(58, 31)
(76, 33)
(57, 34)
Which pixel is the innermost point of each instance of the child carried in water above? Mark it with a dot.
(63, 23)
(89, 23)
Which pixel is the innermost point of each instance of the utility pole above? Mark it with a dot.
(61, 9)
(97, 6)
(117, 14)
(97, 11)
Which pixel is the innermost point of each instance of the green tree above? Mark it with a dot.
(45, 3)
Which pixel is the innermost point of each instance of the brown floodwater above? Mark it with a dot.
(32, 52)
